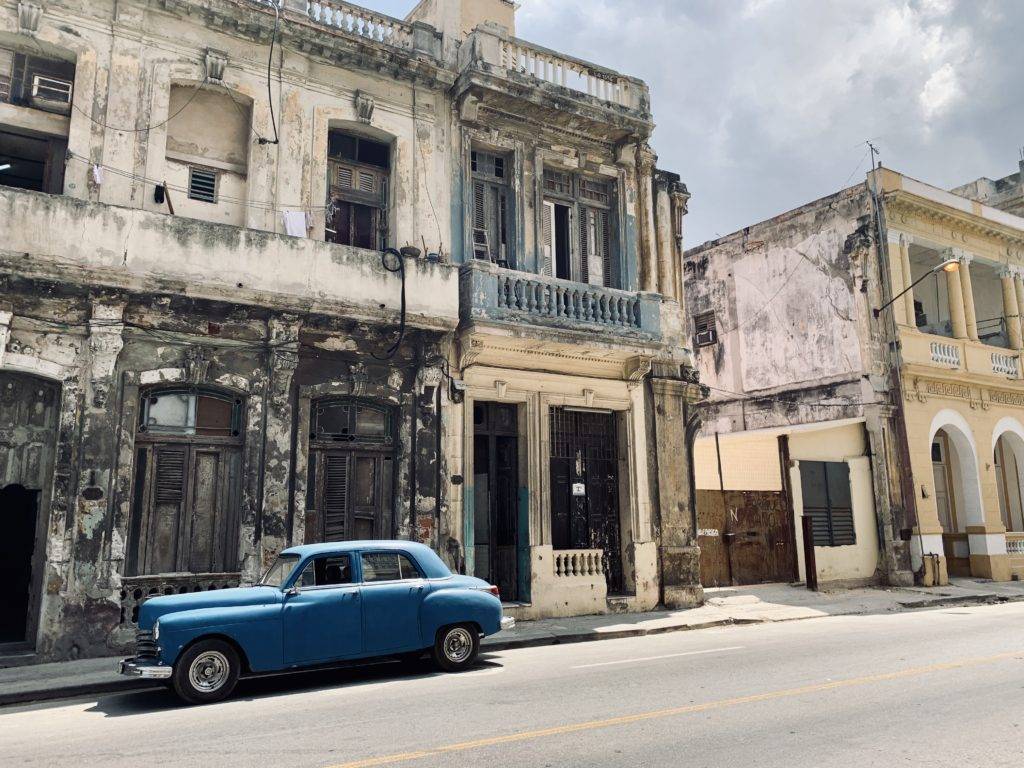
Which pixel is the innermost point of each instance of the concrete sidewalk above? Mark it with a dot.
(731, 605)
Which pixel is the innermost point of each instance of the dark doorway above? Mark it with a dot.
(32, 161)
(19, 509)
(585, 487)
(496, 503)
(563, 252)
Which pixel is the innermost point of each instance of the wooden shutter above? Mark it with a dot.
(547, 227)
(826, 500)
(584, 245)
(604, 237)
(383, 219)
(334, 509)
(481, 247)
(840, 504)
(165, 512)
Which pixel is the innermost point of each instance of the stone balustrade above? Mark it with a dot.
(491, 292)
(559, 69)
(135, 590)
(362, 22)
(1015, 544)
(579, 563)
(1006, 365)
(945, 353)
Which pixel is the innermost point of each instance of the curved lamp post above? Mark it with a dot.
(949, 265)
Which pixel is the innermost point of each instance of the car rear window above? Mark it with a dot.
(388, 566)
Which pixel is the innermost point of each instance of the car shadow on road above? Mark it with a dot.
(156, 700)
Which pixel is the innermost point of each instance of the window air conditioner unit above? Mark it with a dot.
(51, 94)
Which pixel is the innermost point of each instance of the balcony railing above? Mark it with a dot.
(519, 58)
(491, 292)
(1015, 544)
(1005, 365)
(375, 27)
(945, 354)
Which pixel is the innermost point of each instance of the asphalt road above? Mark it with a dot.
(938, 688)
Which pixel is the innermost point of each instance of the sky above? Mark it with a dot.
(764, 105)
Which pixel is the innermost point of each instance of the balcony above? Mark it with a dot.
(507, 297)
(510, 73)
(964, 356)
(66, 239)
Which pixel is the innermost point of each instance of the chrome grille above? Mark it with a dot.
(145, 645)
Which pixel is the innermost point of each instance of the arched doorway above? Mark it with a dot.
(29, 408)
(957, 491)
(1009, 464)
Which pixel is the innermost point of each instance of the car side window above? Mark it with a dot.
(326, 571)
(388, 566)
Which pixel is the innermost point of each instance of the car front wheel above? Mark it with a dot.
(206, 672)
(456, 647)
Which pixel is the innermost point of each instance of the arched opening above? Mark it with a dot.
(957, 493)
(188, 475)
(1009, 464)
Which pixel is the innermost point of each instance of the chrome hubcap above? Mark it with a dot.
(458, 645)
(209, 671)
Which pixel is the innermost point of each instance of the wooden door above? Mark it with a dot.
(352, 496)
(761, 545)
(711, 529)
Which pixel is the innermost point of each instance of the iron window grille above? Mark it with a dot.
(202, 184)
(706, 329)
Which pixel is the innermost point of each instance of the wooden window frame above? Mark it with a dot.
(378, 199)
(491, 208)
(593, 226)
(705, 329)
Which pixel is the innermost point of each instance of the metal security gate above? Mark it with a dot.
(585, 487)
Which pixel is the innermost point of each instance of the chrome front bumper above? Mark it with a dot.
(507, 622)
(133, 668)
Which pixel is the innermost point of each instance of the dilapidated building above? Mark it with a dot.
(206, 355)
(800, 419)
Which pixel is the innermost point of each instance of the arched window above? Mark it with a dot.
(188, 472)
(351, 470)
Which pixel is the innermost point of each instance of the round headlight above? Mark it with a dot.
(156, 630)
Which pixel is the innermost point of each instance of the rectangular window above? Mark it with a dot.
(705, 330)
(388, 566)
(327, 571)
(577, 229)
(490, 208)
(827, 500)
(357, 198)
(202, 184)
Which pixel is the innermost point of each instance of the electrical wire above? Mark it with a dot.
(400, 270)
(147, 128)
(270, 63)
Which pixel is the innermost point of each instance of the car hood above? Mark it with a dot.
(156, 607)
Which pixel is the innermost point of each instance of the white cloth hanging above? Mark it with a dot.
(295, 223)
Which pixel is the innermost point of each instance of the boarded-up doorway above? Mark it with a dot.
(745, 538)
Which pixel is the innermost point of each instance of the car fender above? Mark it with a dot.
(458, 605)
(256, 629)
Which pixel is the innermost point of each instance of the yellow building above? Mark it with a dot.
(958, 264)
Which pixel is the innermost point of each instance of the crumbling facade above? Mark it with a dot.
(206, 355)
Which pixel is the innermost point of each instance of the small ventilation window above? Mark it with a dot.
(202, 184)
(706, 329)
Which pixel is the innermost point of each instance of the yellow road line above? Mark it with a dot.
(674, 711)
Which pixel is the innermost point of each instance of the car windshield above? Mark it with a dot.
(279, 571)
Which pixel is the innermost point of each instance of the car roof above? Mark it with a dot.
(425, 556)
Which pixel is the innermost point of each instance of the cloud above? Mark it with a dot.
(763, 105)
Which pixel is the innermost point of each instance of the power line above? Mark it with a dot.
(147, 128)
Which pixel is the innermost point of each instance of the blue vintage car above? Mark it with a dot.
(318, 605)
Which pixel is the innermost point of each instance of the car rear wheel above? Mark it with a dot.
(456, 647)
(206, 672)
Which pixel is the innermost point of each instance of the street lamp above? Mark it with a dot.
(949, 265)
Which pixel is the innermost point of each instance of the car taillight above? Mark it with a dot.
(494, 591)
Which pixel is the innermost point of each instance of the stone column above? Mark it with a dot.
(90, 591)
(665, 239)
(1011, 307)
(645, 162)
(680, 198)
(908, 279)
(957, 312)
(970, 316)
(674, 427)
(1018, 284)
(283, 336)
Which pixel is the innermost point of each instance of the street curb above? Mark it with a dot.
(128, 684)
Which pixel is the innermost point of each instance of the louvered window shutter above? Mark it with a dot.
(481, 248)
(335, 499)
(383, 220)
(584, 216)
(604, 236)
(501, 236)
(548, 239)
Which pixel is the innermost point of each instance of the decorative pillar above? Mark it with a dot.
(957, 312)
(1018, 284)
(645, 162)
(970, 316)
(1011, 306)
(680, 198)
(675, 427)
(908, 279)
(283, 338)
